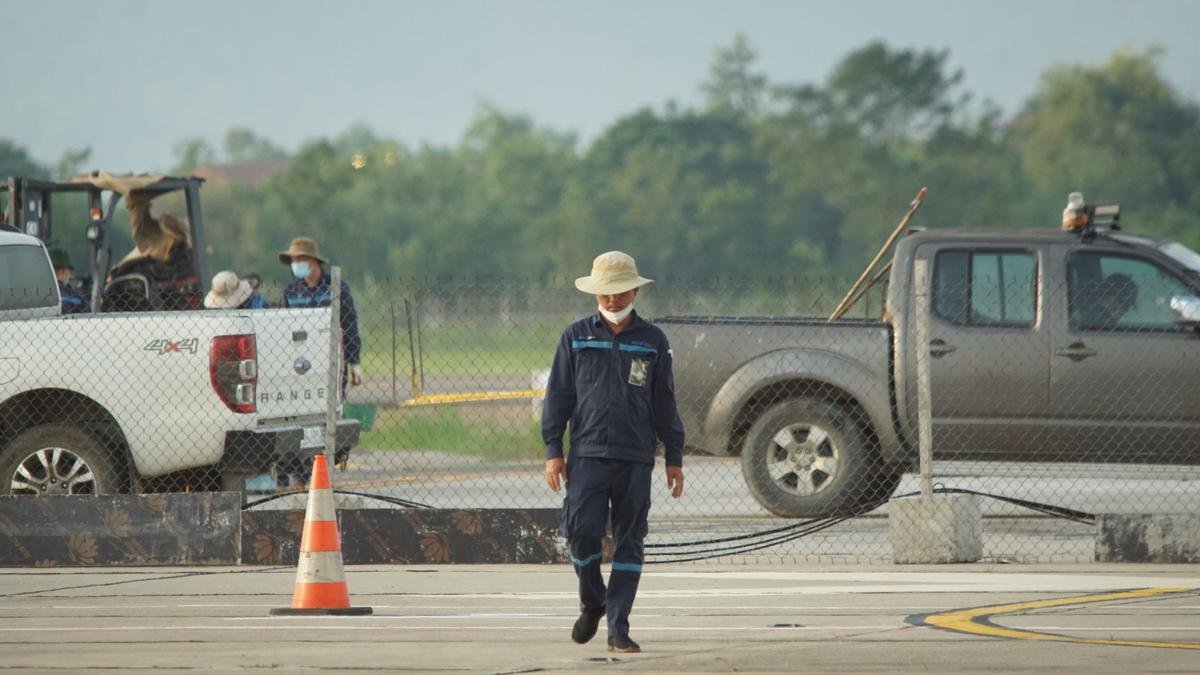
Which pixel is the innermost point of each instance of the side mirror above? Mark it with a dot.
(1186, 309)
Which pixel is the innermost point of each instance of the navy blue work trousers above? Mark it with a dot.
(597, 489)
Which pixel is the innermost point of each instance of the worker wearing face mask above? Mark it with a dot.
(611, 383)
(310, 288)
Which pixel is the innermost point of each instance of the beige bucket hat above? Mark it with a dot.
(228, 292)
(613, 272)
(301, 246)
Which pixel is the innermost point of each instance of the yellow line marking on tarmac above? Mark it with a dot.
(472, 396)
(977, 620)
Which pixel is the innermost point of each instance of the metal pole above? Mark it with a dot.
(392, 306)
(196, 229)
(924, 404)
(414, 383)
(333, 398)
(420, 347)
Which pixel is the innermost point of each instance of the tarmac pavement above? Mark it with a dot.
(688, 618)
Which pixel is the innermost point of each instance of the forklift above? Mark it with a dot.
(169, 259)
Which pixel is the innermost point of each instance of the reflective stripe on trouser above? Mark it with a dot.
(592, 486)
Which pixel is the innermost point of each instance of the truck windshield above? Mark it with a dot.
(1183, 254)
(26, 278)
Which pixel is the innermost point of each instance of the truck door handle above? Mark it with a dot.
(1076, 351)
(939, 348)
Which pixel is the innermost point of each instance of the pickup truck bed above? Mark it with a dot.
(99, 403)
(820, 389)
(1044, 346)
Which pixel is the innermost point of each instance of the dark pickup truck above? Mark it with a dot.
(1046, 346)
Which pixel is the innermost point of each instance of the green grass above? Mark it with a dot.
(462, 350)
(458, 430)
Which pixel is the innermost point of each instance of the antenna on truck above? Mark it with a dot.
(856, 291)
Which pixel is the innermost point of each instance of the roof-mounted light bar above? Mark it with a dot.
(1085, 218)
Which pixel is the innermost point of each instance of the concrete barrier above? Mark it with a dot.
(1148, 537)
(941, 528)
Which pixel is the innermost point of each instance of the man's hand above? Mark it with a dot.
(356, 378)
(556, 473)
(675, 480)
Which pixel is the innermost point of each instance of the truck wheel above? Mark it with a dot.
(53, 459)
(805, 458)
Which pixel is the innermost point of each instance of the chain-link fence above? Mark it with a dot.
(1062, 401)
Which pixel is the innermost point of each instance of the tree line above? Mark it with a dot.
(761, 178)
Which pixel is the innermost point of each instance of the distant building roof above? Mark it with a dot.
(245, 173)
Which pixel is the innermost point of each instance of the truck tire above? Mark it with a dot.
(54, 459)
(806, 458)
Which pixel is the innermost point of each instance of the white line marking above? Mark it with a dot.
(442, 629)
(709, 607)
(438, 617)
(1122, 629)
(372, 623)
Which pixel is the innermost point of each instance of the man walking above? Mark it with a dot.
(611, 380)
(311, 288)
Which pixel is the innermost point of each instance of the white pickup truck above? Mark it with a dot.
(104, 403)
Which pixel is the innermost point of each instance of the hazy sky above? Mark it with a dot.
(130, 78)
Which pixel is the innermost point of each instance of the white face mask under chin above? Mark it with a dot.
(616, 317)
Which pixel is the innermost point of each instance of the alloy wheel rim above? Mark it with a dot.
(803, 459)
(52, 471)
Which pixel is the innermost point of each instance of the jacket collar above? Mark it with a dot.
(598, 320)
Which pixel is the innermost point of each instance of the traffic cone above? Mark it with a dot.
(320, 581)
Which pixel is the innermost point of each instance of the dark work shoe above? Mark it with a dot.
(585, 625)
(622, 643)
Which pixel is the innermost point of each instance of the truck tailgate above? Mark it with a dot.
(720, 362)
(293, 362)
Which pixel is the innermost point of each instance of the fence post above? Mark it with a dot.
(334, 385)
(413, 382)
(931, 528)
(924, 399)
(392, 307)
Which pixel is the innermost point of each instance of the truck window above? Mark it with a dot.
(1117, 292)
(1183, 254)
(985, 288)
(26, 280)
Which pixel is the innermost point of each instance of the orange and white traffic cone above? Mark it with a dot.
(320, 580)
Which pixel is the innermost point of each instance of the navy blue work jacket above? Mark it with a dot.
(72, 302)
(299, 294)
(617, 392)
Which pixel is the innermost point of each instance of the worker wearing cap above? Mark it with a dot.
(611, 382)
(71, 300)
(310, 288)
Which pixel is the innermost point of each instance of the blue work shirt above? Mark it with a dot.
(299, 294)
(255, 301)
(72, 301)
(617, 392)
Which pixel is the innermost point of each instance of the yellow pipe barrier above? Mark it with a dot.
(472, 397)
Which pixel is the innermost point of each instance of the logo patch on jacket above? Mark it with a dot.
(638, 371)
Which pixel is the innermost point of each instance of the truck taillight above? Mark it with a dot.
(233, 367)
